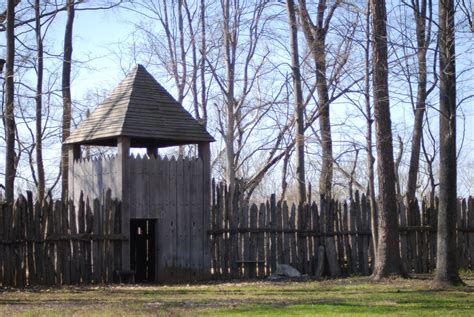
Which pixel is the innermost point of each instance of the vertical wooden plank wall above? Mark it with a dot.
(200, 221)
(50, 243)
(169, 190)
(329, 238)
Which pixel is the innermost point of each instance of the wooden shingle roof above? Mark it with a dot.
(140, 108)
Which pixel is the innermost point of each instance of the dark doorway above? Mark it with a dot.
(142, 249)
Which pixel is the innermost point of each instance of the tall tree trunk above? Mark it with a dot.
(422, 37)
(429, 159)
(203, 62)
(9, 108)
(39, 104)
(184, 72)
(229, 56)
(315, 35)
(370, 155)
(299, 107)
(66, 91)
(388, 260)
(446, 259)
(195, 64)
(172, 47)
(325, 178)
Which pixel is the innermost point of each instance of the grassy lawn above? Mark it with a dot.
(351, 296)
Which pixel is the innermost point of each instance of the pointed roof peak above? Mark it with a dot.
(140, 108)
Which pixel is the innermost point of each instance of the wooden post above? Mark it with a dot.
(300, 238)
(279, 234)
(273, 250)
(261, 240)
(252, 236)
(74, 154)
(237, 219)
(205, 155)
(316, 239)
(286, 238)
(123, 153)
(293, 248)
(331, 252)
(97, 243)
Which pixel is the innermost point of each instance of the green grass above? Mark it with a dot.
(350, 297)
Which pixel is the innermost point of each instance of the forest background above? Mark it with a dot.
(231, 63)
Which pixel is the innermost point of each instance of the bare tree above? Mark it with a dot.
(422, 11)
(36, 97)
(368, 137)
(299, 102)
(225, 61)
(446, 256)
(315, 34)
(467, 9)
(387, 261)
(430, 157)
(180, 50)
(230, 32)
(66, 86)
(202, 63)
(237, 66)
(66, 92)
(9, 116)
(41, 183)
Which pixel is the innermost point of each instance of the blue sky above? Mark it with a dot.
(95, 35)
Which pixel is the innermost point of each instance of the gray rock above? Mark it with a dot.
(286, 270)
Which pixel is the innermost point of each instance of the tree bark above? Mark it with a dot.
(229, 56)
(387, 261)
(316, 38)
(298, 100)
(9, 104)
(184, 72)
(202, 63)
(422, 37)
(66, 92)
(370, 156)
(39, 104)
(195, 65)
(446, 258)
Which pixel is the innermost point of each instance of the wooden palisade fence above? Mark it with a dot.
(57, 244)
(330, 238)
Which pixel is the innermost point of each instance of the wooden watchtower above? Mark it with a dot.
(165, 202)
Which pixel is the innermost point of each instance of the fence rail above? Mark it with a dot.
(330, 238)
